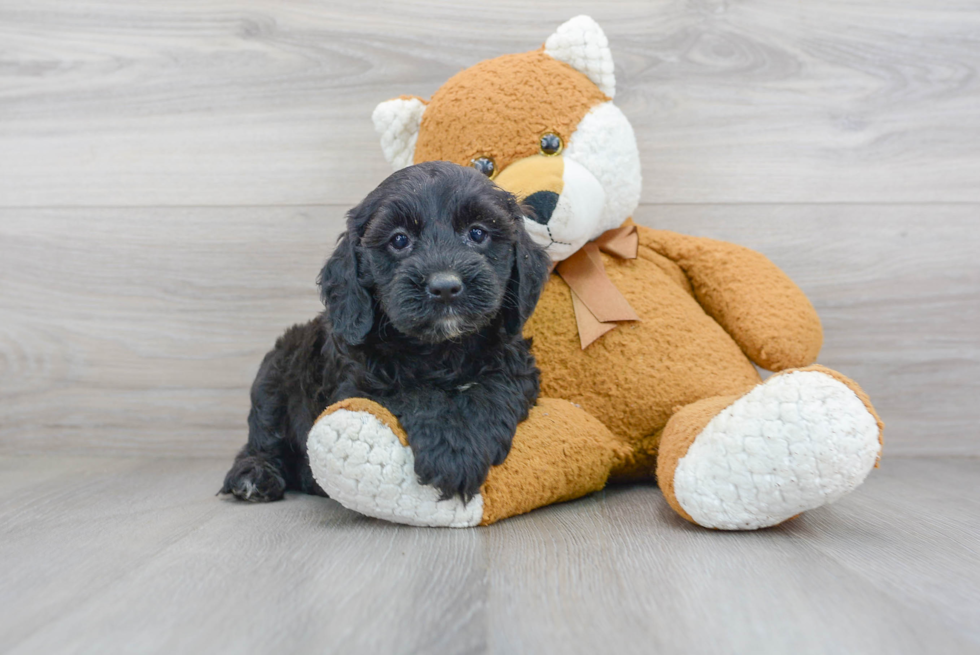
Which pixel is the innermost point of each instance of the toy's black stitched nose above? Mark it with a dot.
(543, 203)
(444, 286)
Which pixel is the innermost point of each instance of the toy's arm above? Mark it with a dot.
(756, 303)
(359, 454)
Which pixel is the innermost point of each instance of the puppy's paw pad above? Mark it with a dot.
(255, 481)
(360, 463)
(452, 472)
(794, 443)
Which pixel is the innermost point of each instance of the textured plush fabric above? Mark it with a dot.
(494, 109)
(397, 124)
(683, 428)
(800, 440)
(559, 453)
(581, 43)
(604, 144)
(532, 174)
(862, 396)
(358, 455)
(374, 409)
(757, 304)
(634, 377)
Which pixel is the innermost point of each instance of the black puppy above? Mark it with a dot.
(425, 294)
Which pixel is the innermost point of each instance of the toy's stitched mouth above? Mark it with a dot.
(554, 240)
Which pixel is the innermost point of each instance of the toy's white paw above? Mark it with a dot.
(796, 442)
(362, 465)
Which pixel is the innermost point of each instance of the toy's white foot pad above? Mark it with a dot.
(362, 465)
(796, 442)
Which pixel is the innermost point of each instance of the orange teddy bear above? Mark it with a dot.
(646, 339)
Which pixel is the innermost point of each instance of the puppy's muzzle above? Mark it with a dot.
(444, 287)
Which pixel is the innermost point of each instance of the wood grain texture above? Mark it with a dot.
(139, 556)
(132, 331)
(136, 555)
(268, 102)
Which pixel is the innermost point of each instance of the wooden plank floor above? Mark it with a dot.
(105, 555)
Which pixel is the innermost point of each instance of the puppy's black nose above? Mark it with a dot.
(444, 286)
(543, 203)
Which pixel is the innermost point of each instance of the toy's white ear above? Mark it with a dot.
(581, 44)
(397, 122)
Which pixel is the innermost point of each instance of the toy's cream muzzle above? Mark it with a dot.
(566, 199)
(537, 181)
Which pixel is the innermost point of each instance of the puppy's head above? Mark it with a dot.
(439, 250)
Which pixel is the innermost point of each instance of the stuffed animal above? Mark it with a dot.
(646, 339)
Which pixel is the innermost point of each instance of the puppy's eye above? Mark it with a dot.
(550, 144)
(485, 165)
(399, 241)
(478, 234)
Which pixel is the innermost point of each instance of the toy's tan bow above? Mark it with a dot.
(599, 305)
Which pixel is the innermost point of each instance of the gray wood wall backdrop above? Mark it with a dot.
(174, 172)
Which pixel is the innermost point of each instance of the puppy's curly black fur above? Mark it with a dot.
(426, 295)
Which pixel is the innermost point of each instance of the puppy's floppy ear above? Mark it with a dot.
(344, 294)
(527, 278)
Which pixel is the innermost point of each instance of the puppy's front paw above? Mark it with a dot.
(454, 472)
(360, 460)
(254, 479)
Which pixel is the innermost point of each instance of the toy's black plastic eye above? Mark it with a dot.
(478, 234)
(484, 165)
(399, 241)
(550, 144)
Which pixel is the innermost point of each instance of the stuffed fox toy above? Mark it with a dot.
(646, 339)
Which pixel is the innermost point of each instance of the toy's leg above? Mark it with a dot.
(799, 440)
(360, 455)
